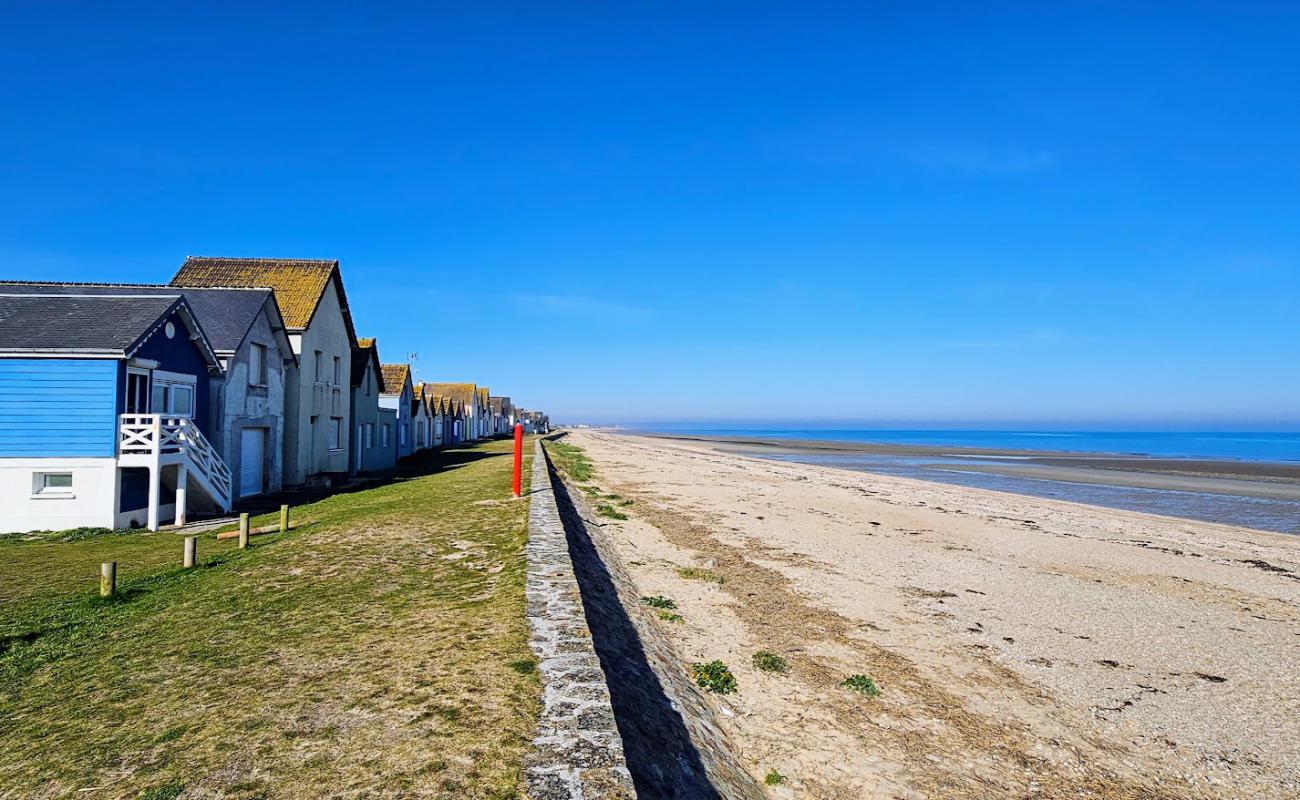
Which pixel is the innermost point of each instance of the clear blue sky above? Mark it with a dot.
(906, 212)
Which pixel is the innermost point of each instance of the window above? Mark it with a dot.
(335, 432)
(401, 433)
(173, 394)
(52, 483)
(367, 381)
(320, 366)
(137, 392)
(338, 371)
(383, 440)
(370, 435)
(257, 365)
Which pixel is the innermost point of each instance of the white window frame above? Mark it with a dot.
(42, 491)
(164, 381)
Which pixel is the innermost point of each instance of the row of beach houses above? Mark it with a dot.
(129, 405)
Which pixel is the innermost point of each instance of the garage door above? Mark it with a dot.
(252, 444)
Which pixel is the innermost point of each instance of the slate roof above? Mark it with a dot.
(299, 283)
(366, 351)
(225, 314)
(98, 324)
(496, 406)
(463, 392)
(395, 377)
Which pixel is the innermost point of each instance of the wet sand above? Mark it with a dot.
(1025, 647)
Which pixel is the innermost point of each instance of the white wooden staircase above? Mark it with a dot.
(154, 441)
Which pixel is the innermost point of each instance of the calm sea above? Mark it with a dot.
(1252, 512)
(1235, 445)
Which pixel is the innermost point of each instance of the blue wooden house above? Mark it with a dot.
(103, 402)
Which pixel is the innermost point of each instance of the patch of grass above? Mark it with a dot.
(669, 616)
(361, 622)
(658, 601)
(774, 778)
(861, 684)
(524, 666)
(606, 510)
(697, 574)
(167, 791)
(714, 677)
(768, 661)
(571, 460)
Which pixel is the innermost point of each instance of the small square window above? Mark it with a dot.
(48, 483)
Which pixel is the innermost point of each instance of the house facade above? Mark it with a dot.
(319, 325)
(486, 429)
(105, 398)
(397, 396)
(367, 451)
(421, 418)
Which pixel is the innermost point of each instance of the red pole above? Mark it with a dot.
(519, 458)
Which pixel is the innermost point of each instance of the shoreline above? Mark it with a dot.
(1081, 477)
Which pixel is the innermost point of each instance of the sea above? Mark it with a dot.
(1280, 515)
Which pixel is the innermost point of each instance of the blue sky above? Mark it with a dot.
(1042, 213)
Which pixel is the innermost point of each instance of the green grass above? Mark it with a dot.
(697, 574)
(606, 510)
(380, 650)
(670, 616)
(861, 684)
(571, 460)
(774, 778)
(658, 601)
(768, 661)
(714, 677)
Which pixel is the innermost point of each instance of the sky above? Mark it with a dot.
(1020, 214)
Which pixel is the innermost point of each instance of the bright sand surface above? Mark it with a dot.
(1024, 647)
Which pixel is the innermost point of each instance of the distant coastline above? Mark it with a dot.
(1251, 493)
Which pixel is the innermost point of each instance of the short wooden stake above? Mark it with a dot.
(191, 551)
(107, 578)
(243, 530)
(284, 518)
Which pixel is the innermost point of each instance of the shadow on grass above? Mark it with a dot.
(660, 754)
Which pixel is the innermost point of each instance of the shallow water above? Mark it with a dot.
(1267, 514)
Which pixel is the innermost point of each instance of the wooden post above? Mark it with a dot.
(284, 519)
(107, 578)
(191, 551)
(243, 530)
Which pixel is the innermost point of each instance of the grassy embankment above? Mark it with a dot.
(380, 650)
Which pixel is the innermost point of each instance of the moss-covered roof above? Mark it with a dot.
(395, 377)
(464, 392)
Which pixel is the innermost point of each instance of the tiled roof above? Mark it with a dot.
(112, 325)
(464, 392)
(225, 314)
(299, 283)
(395, 377)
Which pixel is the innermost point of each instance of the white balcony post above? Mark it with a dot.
(155, 494)
(182, 475)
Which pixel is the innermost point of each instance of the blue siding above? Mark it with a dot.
(58, 407)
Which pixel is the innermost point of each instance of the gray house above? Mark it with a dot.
(319, 324)
(245, 418)
(372, 448)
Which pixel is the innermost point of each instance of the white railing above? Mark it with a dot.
(159, 435)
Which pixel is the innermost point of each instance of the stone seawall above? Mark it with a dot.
(578, 752)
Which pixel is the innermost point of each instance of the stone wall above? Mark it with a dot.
(578, 752)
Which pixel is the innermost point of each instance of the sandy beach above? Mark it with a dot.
(1024, 647)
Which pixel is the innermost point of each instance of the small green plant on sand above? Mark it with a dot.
(861, 684)
(770, 662)
(669, 616)
(714, 677)
(774, 778)
(606, 510)
(697, 574)
(658, 601)
(167, 791)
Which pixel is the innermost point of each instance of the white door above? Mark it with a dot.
(252, 443)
